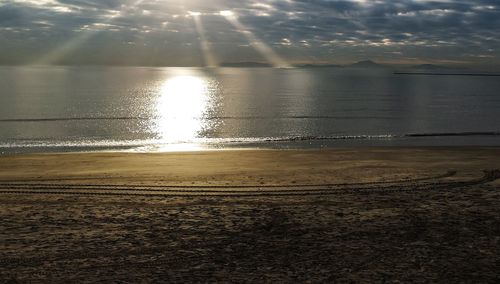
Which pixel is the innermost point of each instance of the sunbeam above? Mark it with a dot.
(73, 44)
(208, 55)
(266, 51)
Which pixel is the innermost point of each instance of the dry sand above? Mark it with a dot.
(353, 215)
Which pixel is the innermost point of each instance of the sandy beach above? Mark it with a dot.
(346, 215)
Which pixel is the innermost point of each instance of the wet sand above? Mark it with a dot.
(353, 215)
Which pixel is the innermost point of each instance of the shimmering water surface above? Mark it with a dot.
(157, 109)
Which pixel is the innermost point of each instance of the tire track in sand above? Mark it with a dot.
(249, 191)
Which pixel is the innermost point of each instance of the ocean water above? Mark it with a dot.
(162, 109)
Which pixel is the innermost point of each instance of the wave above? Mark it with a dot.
(54, 119)
(70, 119)
(115, 144)
(447, 134)
(153, 142)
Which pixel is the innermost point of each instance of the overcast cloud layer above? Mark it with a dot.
(164, 32)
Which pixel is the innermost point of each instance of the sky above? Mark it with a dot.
(279, 32)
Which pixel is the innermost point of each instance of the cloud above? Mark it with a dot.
(153, 32)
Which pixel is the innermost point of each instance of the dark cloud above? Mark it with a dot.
(102, 4)
(153, 32)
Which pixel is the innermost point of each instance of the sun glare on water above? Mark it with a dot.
(182, 103)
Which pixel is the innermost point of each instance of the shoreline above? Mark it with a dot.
(408, 140)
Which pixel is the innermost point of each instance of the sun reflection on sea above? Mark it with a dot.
(182, 105)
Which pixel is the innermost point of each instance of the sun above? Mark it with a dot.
(226, 13)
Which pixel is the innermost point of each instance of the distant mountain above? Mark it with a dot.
(312, 65)
(366, 64)
(428, 67)
(245, 64)
(432, 67)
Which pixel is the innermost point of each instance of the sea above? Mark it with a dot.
(146, 109)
